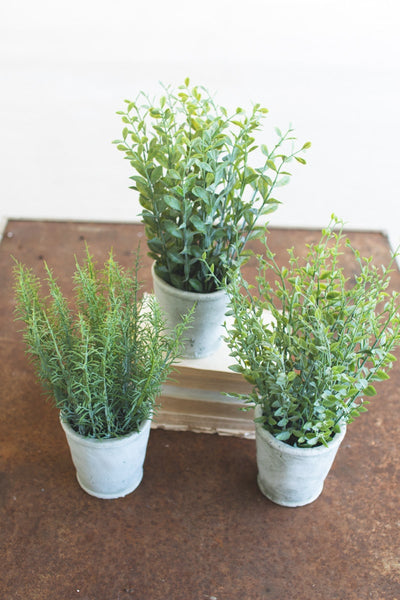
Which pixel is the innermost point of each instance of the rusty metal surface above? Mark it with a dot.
(197, 528)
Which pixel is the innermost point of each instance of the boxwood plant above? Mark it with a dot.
(201, 194)
(104, 359)
(329, 340)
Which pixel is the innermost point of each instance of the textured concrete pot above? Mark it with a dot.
(109, 468)
(204, 335)
(292, 476)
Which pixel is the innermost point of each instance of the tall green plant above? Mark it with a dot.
(200, 193)
(329, 340)
(104, 364)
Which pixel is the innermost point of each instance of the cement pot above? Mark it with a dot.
(292, 476)
(204, 334)
(108, 468)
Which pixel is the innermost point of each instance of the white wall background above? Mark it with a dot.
(330, 67)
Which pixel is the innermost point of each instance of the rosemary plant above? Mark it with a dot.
(329, 339)
(201, 196)
(103, 363)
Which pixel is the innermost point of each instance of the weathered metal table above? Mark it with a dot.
(197, 528)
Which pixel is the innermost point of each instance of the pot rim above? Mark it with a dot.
(116, 441)
(271, 440)
(195, 296)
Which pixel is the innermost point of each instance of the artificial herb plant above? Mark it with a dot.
(201, 195)
(329, 339)
(103, 363)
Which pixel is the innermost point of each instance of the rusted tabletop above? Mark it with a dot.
(197, 528)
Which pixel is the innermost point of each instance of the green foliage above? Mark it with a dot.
(329, 340)
(104, 363)
(201, 197)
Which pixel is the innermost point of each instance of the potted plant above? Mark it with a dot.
(201, 195)
(312, 362)
(103, 362)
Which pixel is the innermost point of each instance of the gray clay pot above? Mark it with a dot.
(203, 338)
(292, 476)
(108, 468)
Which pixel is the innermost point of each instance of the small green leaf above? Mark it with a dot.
(156, 174)
(390, 358)
(271, 165)
(173, 202)
(173, 229)
(325, 274)
(381, 375)
(236, 368)
(196, 251)
(155, 245)
(201, 193)
(196, 285)
(205, 166)
(369, 390)
(259, 420)
(198, 224)
(155, 113)
(175, 257)
(173, 174)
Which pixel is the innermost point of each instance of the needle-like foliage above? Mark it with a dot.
(104, 361)
(329, 339)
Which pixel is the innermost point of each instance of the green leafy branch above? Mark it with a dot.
(200, 195)
(329, 339)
